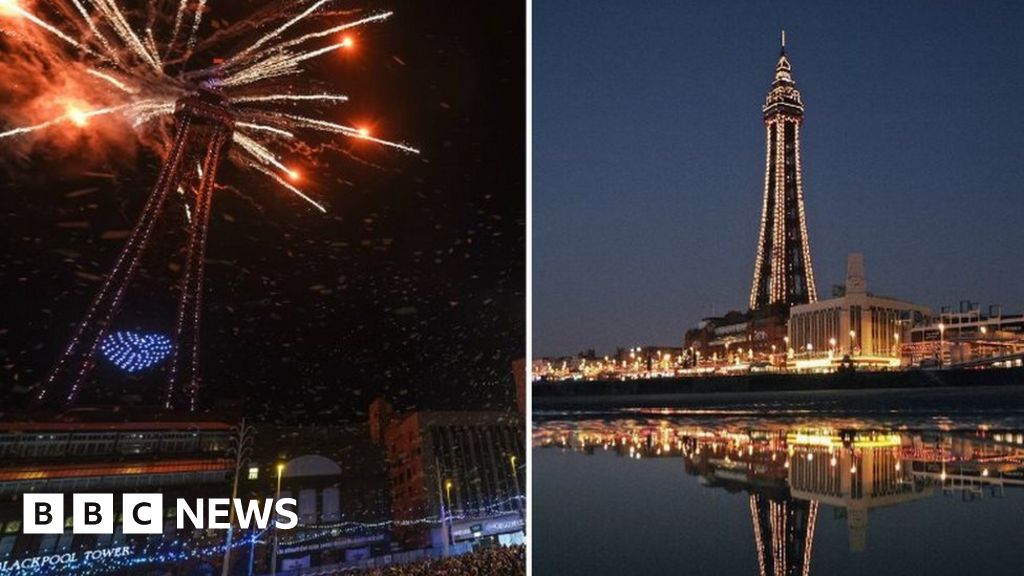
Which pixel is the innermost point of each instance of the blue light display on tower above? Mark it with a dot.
(132, 352)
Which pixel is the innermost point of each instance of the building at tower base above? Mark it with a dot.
(855, 329)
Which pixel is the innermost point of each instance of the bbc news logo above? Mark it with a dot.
(143, 513)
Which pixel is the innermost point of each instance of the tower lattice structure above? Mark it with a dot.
(783, 534)
(203, 129)
(782, 271)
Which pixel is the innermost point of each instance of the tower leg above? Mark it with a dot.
(79, 353)
(184, 366)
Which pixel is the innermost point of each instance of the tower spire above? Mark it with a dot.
(783, 51)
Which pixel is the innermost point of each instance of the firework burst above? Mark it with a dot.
(192, 113)
(141, 65)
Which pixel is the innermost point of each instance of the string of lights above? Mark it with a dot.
(756, 286)
(461, 515)
(111, 561)
(179, 551)
(812, 291)
(782, 266)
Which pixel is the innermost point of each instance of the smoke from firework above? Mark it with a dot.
(40, 84)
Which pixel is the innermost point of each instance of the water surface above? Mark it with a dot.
(754, 490)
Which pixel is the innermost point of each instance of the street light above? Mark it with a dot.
(853, 336)
(519, 496)
(241, 445)
(942, 342)
(448, 497)
(277, 497)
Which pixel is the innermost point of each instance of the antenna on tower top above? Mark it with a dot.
(783, 41)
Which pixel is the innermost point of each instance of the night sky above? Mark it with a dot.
(649, 156)
(412, 286)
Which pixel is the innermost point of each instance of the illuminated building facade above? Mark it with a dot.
(782, 270)
(71, 456)
(187, 459)
(626, 363)
(737, 337)
(336, 474)
(867, 329)
(968, 337)
(462, 467)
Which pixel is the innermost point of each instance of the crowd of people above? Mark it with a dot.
(499, 561)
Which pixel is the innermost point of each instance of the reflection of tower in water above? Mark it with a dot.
(789, 473)
(758, 463)
(783, 534)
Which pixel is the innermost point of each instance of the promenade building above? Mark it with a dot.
(856, 328)
(462, 468)
(967, 337)
(87, 452)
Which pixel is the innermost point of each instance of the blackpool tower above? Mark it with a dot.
(782, 272)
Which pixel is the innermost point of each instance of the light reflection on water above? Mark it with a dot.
(690, 490)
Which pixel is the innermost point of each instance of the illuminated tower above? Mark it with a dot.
(782, 271)
(204, 125)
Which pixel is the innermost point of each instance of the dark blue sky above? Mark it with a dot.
(648, 156)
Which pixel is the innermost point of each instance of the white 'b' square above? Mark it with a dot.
(42, 513)
(93, 513)
(142, 513)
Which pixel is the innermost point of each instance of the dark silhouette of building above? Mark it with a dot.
(338, 478)
(380, 415)
(519, 374)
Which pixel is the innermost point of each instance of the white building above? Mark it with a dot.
(867, 328)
